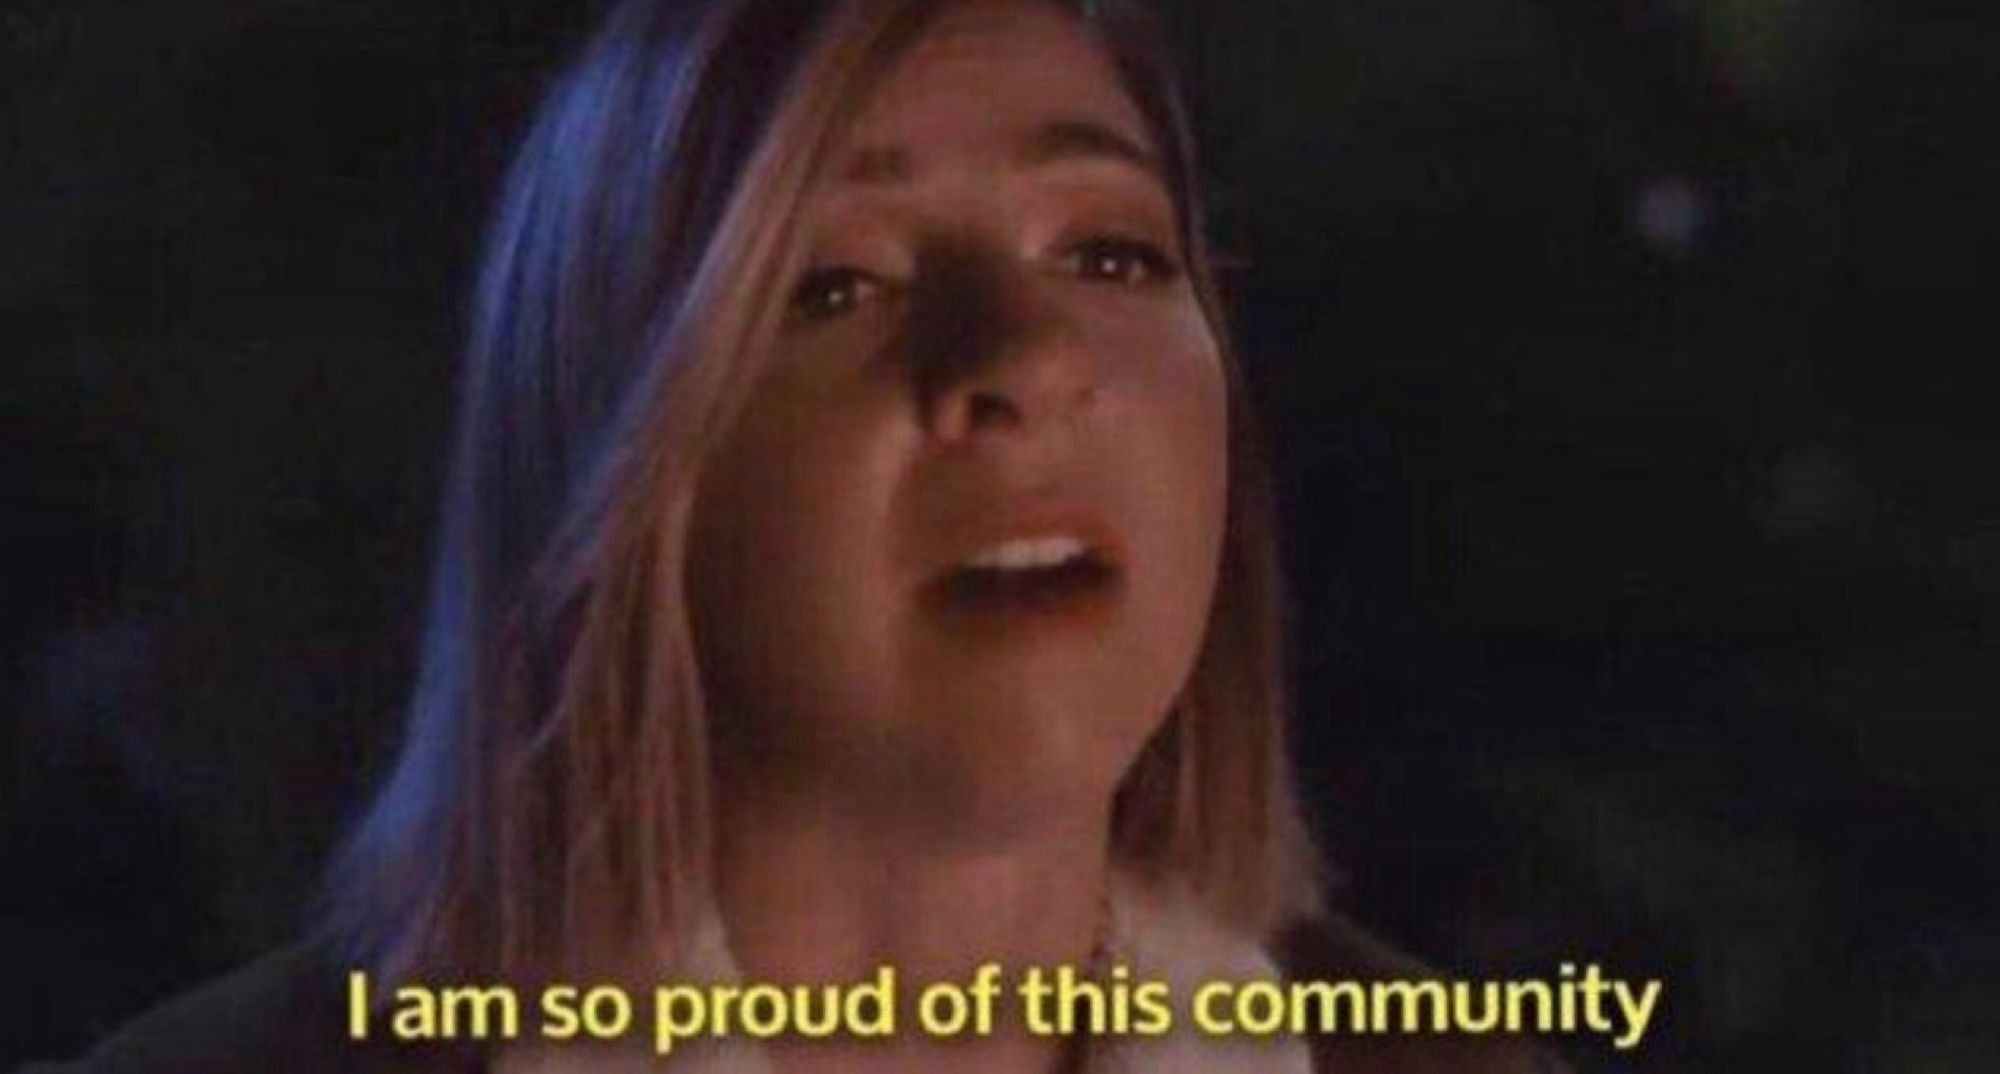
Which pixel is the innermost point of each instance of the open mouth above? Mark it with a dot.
(1028, 577)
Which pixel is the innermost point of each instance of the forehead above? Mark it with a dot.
(985, 73)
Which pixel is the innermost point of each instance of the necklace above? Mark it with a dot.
(1076, 1050)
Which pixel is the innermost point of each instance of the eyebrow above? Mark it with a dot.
(1055, 142)
(1084, 139)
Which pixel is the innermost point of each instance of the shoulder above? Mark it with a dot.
(1332, 947)
(281, 1012)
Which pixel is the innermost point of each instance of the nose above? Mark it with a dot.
(992, 354)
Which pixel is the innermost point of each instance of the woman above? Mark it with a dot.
(854, 556)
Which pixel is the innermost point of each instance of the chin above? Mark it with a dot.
(1028, 771)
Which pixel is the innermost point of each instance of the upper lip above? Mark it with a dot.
(1025, 529)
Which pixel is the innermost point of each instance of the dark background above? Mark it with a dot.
(1625, 367)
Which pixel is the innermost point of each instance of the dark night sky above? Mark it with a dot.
(1622, 368)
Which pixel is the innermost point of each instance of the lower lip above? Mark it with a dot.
(1007, 602)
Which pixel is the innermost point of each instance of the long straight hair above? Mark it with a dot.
(551, 805)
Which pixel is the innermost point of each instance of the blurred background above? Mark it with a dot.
(1622, 367)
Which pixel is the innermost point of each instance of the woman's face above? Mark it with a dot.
(957, 557)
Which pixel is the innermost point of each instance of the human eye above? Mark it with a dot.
(824, 294)
(1120, 259)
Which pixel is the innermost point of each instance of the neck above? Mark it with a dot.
(812, 893)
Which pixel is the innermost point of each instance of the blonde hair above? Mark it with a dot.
(638, 258)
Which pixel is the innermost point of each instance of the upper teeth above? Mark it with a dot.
(1029, 554)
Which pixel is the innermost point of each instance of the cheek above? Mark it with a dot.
(1178, 397)
(1198, 446)
(1202, 424)
(790, 534)
(1172, 403)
